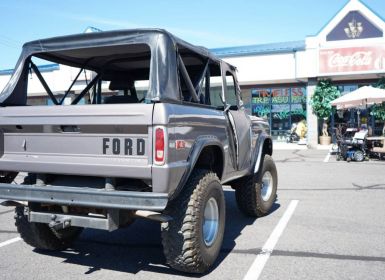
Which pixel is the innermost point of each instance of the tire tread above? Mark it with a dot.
(181, 247)
(40, 236)
(248, 192)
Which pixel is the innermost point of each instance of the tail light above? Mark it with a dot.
(159, 146)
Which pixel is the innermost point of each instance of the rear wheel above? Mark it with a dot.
(256, 194)
(41, 236)
(193, 238)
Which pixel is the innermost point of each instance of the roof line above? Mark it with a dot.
(373, 11)
(279, 47)
(42, 68)
(327, 23)
(363, 3)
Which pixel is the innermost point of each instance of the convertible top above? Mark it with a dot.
(85, 41)
(93, 51)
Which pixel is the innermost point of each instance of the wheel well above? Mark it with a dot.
(211, 158)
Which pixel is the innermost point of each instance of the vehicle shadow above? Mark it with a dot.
(235, 223)
(139, 248)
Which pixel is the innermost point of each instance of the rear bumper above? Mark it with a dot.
(86, 197)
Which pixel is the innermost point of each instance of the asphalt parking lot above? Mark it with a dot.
(336, 231)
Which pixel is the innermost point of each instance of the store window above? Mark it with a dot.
(280, 109)
(355, 117)
(298, 104)
(281, 106)
(260, 103)
(346, 118)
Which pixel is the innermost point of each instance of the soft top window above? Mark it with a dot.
(116, 74)
(195, 74)
(112, 60)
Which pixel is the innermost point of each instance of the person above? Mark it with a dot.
(301, 129)
(361, 133)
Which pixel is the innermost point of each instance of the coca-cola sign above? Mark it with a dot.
(359, 59)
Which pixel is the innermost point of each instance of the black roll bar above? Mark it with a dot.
(43, 82)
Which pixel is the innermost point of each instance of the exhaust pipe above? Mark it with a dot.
(151, 215)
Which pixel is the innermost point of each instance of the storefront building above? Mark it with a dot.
(278, 80)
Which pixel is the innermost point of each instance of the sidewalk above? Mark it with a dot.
(278, 145)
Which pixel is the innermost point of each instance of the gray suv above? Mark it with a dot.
(149, 127)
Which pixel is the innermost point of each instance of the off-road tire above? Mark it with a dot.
(183, 243)
(248, 191)
(41, 236)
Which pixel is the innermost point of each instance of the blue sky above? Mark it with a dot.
(208, 23)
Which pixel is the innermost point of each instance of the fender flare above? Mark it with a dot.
(196, 149)
(259, 151)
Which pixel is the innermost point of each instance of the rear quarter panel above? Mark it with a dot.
(187, 124)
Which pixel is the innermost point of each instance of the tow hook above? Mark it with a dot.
(59, 224)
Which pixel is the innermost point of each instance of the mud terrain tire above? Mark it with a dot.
(256, 194)
(193, 239)
(41, 236)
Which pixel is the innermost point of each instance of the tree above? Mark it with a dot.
(324, 93)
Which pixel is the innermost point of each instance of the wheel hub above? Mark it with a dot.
(267, 186)
(211, 222)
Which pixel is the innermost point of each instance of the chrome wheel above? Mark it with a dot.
(210, 222)
(267, 186)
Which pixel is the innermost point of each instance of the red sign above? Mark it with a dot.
(359, 59)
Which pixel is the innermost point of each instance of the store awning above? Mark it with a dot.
(363, 96)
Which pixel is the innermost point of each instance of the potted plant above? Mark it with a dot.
(324, 93)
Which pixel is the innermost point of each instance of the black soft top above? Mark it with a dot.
(76, 50)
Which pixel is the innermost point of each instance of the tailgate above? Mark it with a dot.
(103, 140)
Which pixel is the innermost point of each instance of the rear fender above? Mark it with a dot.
(196, 150)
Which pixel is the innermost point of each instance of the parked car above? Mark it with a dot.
(153, 128)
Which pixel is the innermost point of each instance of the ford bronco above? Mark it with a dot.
(148, 126)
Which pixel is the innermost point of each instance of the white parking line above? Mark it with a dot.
(327, 157)
(10, 241)
(259, 263)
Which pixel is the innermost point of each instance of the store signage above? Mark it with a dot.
(281, 103)
(358, 59)
(354, 26)
(354, 29)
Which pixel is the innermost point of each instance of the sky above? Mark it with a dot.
(213, 24)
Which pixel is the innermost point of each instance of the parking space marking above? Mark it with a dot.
(327, 157)
(10, 241)
(259, 263)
